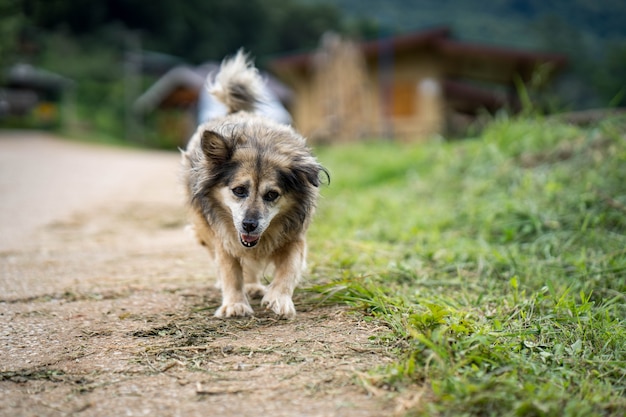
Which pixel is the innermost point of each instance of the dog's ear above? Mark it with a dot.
(302, 173)
(311, 173)
(216, 147)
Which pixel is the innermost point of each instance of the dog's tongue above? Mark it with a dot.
(249, 238)
(249, 241)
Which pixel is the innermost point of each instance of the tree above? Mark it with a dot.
(196, 30)
(11, 23)
(611, 77)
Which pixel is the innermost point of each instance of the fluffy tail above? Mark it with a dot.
(238, 84)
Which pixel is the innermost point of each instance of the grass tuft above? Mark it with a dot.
(498, 265)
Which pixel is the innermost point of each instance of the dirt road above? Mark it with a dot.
(106, 303)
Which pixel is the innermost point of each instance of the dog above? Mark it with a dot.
(252, 186)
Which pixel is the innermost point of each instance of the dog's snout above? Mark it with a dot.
(250, 225)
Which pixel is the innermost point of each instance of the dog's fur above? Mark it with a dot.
(252, 186)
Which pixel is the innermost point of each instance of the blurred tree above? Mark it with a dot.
(79, 16)
(194, 29)
(611, 77)
(12, 21)
(556, 34)
(300, 26)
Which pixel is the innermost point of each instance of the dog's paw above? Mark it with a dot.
(234, 310)
(255, 290)
(281, 304)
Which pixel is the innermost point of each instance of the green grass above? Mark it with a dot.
(497, 263)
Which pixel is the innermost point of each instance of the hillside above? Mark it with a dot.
(530, 23)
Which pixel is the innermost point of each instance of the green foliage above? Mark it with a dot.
(611, 78)
(498, 265)
(196, 30)
(604, 20)
(11, 23)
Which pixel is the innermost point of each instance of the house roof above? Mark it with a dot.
(25, 76)
(152, 62)
(182, 77)
(439, 42)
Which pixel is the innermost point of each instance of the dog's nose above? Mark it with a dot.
(249, 225)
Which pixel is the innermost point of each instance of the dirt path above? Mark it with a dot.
(106, 303)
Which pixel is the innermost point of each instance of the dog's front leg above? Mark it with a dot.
(289, 263)
(234, 301)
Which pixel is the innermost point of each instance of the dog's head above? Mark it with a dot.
(266, 178)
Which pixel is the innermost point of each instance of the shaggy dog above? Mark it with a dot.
(252, 186)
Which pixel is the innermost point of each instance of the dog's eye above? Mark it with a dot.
(271, 196)
(240, 192)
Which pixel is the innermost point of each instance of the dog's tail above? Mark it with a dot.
(238, 83)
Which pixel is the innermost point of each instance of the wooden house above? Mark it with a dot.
(409, 87)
